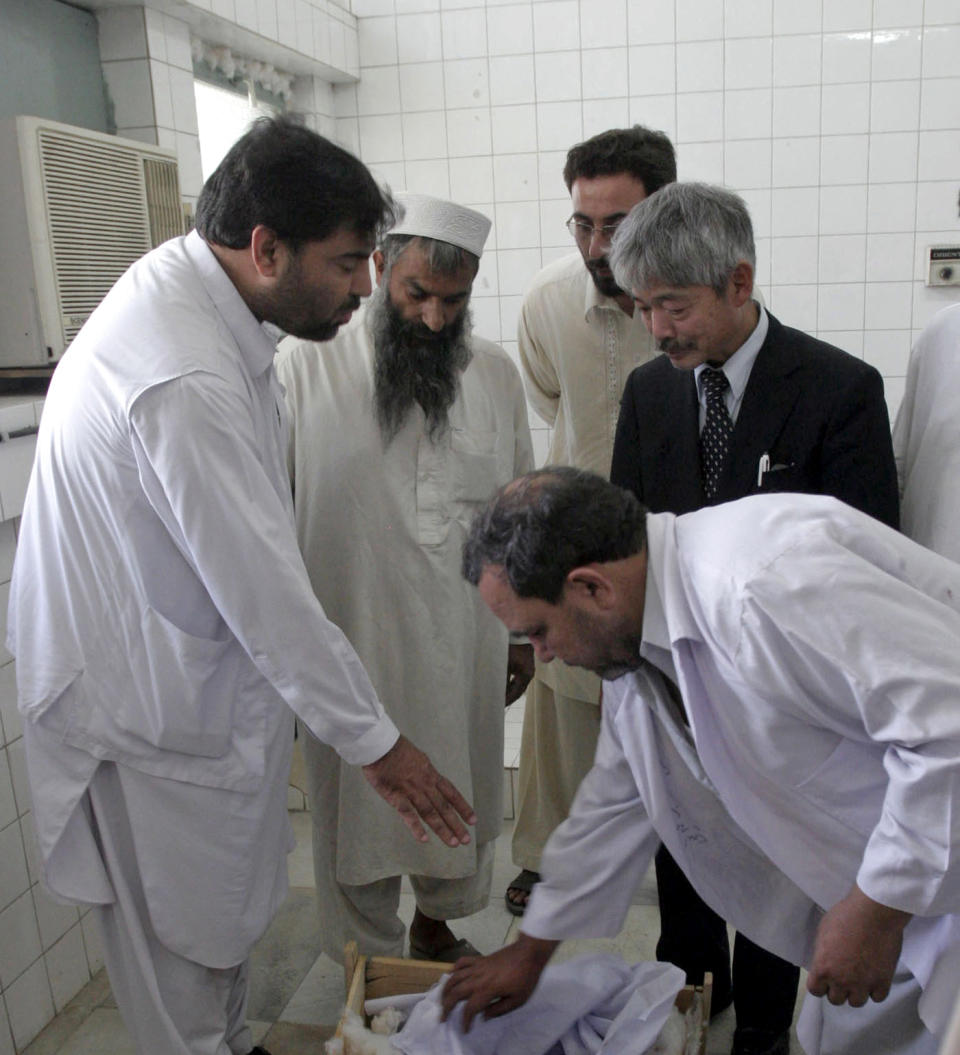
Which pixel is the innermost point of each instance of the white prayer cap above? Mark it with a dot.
(444, 221)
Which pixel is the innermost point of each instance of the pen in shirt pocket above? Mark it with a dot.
(764, 467)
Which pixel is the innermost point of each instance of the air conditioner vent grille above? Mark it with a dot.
(106, 209)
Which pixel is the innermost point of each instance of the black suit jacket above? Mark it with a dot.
(817, 412)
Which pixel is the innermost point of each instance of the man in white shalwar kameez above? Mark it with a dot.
(160, 614)
(781, 711)
(926, 437)
(401, 426)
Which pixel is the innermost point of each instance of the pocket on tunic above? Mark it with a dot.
(186, 689)
(476, 465)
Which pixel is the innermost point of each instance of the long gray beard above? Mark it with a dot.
(411, 367)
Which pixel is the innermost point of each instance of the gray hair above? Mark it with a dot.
(443, 257)
(546, 523)
(685, 234)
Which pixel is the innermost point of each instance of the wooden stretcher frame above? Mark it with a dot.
(369, 977)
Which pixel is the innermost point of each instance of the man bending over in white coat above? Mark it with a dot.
(780, 709)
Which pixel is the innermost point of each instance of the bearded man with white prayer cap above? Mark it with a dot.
(401, 427)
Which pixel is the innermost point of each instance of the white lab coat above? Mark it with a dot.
(160, 612)
(926, 437)
(381, 530)
(816, 653)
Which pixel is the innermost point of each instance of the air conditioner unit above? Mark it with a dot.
(78, 208)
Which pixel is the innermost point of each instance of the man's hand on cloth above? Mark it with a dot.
(499, 983)
(519, 670)
(856, 950)
(406, 779)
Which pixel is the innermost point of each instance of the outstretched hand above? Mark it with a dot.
(856, 950)
(497, 984)
(406, 779)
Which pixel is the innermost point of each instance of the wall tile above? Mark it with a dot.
(429, 177)
(424, 135)
(514, 129)
(267, 21)
(29, 1004)
(92, 942)
(605, 73)
(67, 968)
(939, 155)
(892, 13)
(892, 207)
(796, 60)
(553, 217)
(845, 108)
(485, 284)
(795, 211)
(287, 23)
(14, 880)
(510, 316)
(890, 257)
(747, 114)
(893, 157)
(796, 111)
(419, 38)
(747, 163)
(887, 350)
(516, 268)
(464, 34)
(381, 138)
(162, 95)
(517, 226)
(53, 918)
(653, 69)
(379, 90)
(6, 1037)
(937, 12)
(794, 260)
(895, 105)
(748, 63)
(888, 305)
(896, 54)
(379, 42)
(559, 125)
(840, 306)
(486, 316)
(842, 258)
(796, 16)
(515, 177)
(655, 111)
(699, 117)
(177, 40)
(603, 23)
(468, 132)
(557, 76)
(19, 939)
(183, 99)
(699, 20)
(512, 80)
(700, 66)
(366, 8)
(121, 33)
(843, 210)
(796, 162)
(940, 103)
(795, 306)
(421, 86)
(601, 114)
(843, 159)
(747, 18)
(11, 725)
(556, 25)
(847, 14)
(130, 92)
(510, 29)
(846, 57)
(936, 210)
(701, 161)
(651, 23)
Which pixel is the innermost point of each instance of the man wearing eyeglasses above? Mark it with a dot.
(579, 340)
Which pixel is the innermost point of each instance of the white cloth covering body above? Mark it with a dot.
(815, 650)
(926, 437)
(381, 531)
(161, 615)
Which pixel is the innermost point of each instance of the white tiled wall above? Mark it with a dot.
(838, 120)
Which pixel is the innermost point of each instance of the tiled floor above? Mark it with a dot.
(296, 994)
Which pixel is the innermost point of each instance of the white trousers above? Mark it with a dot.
(891, 1027)
(170, 1005)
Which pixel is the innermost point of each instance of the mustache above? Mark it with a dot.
(671, 344)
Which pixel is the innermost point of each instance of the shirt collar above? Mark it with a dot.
(257, 341)
(738, 366)
(594, 300)
(666, 614)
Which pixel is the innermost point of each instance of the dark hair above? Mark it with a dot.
(288, 178)
(647, 155)
(545, 524)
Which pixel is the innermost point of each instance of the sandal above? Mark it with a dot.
(449, 953)
(524, 883)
